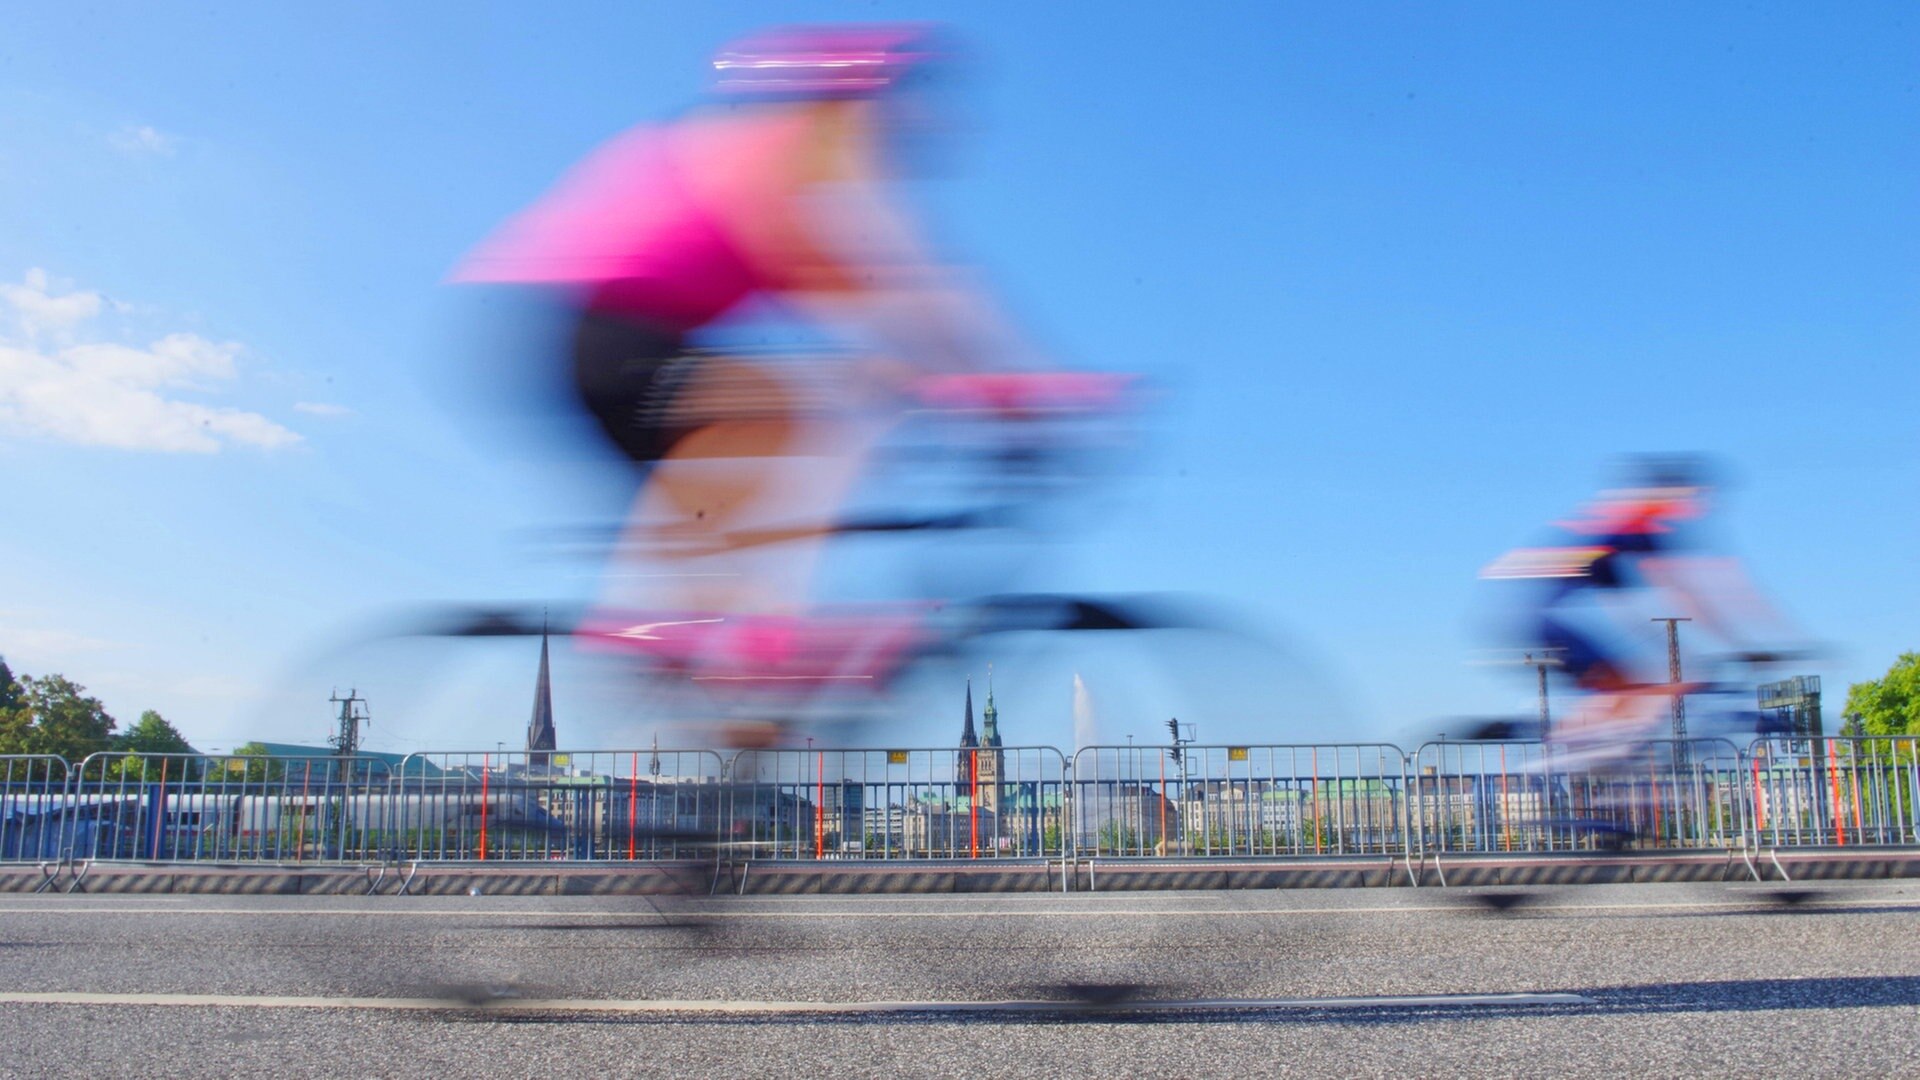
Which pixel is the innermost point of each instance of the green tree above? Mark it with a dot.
(1222, 840)
(1050, 837)
(15, 720)
(1890, 704)
(1313, 833)
(250, 763)
(60, 719)
(153, 735)
(10, 695)
(1118, 838)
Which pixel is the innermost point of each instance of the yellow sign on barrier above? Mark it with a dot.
(1236, 753)
(896, 757)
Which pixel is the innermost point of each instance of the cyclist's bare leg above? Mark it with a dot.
(758, 459)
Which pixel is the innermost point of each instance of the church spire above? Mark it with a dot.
(963, 762)
(540, 731)
(967, 737)
(990, 734)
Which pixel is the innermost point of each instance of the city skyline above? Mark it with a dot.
(1410, 277)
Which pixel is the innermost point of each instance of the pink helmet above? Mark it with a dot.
(845, 60)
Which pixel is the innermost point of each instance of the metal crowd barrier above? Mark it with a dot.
(1533, 797)
(1201, 801)
(33, 798)
(947, 803)
(229, 808)
(1030, 802)
(526, 805)
(1835, 792)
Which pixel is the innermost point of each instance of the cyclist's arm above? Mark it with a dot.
(1716, 592)
(877, 273)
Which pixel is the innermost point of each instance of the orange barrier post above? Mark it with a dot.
(973, 807)
(486, 770)
(1833, 787)
(1506, 807)
(820, 807)
(1653, 794)
(300, 834)
(1759, 799)
(1853, 781)
(160, 813)
(1163, 804)
(1319, 835)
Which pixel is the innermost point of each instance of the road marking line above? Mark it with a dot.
(646, 1005)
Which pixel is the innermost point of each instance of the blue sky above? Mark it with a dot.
(1415, 271)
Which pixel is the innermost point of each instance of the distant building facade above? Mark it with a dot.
(985, 811)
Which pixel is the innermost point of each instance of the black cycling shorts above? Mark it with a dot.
(628, 373)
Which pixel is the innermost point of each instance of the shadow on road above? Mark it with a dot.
(1550, 903)
(1735, 995)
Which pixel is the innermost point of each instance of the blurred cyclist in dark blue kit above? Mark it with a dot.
(1588, 587)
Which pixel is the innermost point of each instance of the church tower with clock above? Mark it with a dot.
(991, 761)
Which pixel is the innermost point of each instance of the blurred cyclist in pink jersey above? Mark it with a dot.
(779, 189)
(777, 194)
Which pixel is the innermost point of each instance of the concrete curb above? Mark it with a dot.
(1610, 870)
(809, 878)
(763, 879)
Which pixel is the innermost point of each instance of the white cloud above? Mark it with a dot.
(194, 688)
(165, 686)
(143, 140)
(105, 394)
(43, 644)
(321, 408)
(39, 311)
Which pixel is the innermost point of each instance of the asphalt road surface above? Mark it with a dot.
(1656, 980)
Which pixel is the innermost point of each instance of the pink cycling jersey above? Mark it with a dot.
(639, 225)
(870, 644)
